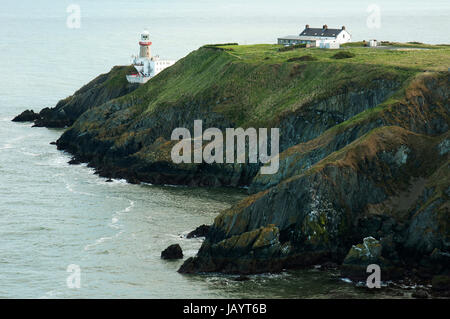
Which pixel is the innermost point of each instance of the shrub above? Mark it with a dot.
(217, 46)
(292, 47)
(343, 55)
(303, 58)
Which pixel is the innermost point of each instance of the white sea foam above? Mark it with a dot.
(50, 294)
(115, 217)
(347, 280)
(70, 189)
(30, 154)
(6, 146)
(97, 242)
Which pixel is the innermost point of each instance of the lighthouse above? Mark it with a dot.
(145, 44)
(146, 65)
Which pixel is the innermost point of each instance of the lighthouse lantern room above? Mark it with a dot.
(146, 65)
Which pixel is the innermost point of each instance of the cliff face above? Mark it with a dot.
(363, 178)
(421, 107)
(382, 185)
(103, 88)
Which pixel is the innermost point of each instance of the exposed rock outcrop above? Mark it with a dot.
(424, 110)
(368, 253)
(375, 186)
(441, 285)
(26, 116)
(102, 89)
(200, 231)
(172, 252)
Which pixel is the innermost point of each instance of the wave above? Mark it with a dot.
(29, 153)
(97, 242)
(113, 224)
(115, 217)
(113, 182)
(70, 189)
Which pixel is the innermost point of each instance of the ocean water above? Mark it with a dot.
(53, 215)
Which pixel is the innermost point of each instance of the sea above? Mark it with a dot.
(59, 221)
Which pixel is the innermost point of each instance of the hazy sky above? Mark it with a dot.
(249, 21)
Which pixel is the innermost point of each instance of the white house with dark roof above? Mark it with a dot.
(318, 37)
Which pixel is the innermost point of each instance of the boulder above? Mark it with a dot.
(441, 285)
(242, 278)
(369, 252)
(172, 252)
(74, 161)
(200, 231)
(420, 294)
(362, 255)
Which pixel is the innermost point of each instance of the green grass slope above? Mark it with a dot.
(245, 86)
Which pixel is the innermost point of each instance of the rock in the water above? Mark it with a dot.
(329, 265)
(172, 252)
(242, 278)
(200, 231)
(367, 253)
(360, 256)
(26, 116)
(441, 285)
(420, 294)
(260, 251)
(74, 161)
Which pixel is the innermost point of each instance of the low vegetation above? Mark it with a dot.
(292, 47)
(343, 55)
(308, 57)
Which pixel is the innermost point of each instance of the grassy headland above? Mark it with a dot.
(361, 129)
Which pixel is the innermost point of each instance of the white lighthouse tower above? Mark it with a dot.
(146, 65)
(145, 45)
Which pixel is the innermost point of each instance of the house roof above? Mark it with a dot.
(320, 32)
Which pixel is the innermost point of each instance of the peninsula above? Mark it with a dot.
(364, 165)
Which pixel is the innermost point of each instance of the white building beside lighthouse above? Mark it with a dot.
(146, 65)
(318, 37)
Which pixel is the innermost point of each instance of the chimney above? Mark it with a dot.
(325, 27)
(307, 26)
(343, 27)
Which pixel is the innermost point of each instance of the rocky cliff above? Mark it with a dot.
(382, 174)
(129, 137)
(364, 151)
(384, 185)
